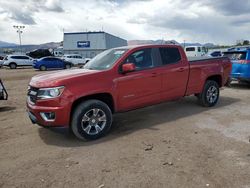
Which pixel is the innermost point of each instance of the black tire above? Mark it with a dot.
(86, 123)
(13, 65)
(67, 66)
(210, 94)
(43, 68)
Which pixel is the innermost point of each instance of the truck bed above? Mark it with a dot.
(203, 67)
(203, 58)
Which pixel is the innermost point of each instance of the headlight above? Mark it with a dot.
(50, 93)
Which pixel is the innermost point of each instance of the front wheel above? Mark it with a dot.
(67, 66)
(13, 65)
(43, 68)
(91, 120)
(210, 94)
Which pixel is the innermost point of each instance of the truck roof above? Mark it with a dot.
(147, 45)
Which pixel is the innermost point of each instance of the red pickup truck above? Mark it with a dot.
(119, 80)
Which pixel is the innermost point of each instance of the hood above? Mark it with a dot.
(56, 78)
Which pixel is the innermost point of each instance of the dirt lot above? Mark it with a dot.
(176, 144)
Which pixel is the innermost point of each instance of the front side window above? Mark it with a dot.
(190, 49)
(141, 58)
(170, 55)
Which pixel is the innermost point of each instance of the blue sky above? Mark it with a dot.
(217, 21)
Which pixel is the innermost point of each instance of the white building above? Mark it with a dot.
(89, 44)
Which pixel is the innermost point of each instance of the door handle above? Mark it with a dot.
(181, 69)
(154, 74)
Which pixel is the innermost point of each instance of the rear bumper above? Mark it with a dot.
(240, 76)
(240, 71)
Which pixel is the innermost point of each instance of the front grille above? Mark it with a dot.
(32, 94)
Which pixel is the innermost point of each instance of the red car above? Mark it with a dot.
(119, 80)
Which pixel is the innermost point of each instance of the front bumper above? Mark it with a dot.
(61, 119)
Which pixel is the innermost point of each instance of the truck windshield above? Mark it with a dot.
(235, 55)
(105, 60)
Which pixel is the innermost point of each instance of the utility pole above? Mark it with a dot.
(19, 31)
(184, 44)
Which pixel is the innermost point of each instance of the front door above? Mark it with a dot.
(141, 87)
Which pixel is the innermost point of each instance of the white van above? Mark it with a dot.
(195, 51)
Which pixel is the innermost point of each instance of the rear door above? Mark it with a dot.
(60, 63)
(174, 73)
(51, 63)
(141, 87)
(26, 61)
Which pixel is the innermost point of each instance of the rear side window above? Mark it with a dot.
(191, 49)
(49, 59)
(19, 57)
(170, 55)
(15, 57)
(236, 55)
(141, 58)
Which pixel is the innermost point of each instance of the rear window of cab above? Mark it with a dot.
(236, 55)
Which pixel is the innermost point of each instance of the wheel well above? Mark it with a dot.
(216, 78)
(12, 63)
(104, 97)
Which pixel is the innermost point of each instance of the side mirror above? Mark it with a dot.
(128, 67)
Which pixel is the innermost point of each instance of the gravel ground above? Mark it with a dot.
(175, 144)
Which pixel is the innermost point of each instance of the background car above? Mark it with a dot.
(14, 61)
(3, 92)
(51, 63)
(215, 54)
(39, 53)
(1, 61)
(240, 59)
(75, 59)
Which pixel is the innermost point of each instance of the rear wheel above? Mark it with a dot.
(67, 66)
(42, 68)
(13, 65)
(91, 120)
(210, 94)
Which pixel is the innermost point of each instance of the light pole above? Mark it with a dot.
(184, 44)
(19, 31)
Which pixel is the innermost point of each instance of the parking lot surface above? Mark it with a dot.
(174, 144)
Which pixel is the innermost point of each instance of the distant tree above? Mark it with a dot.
(246, 42)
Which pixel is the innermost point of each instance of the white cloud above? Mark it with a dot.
(194, 21)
